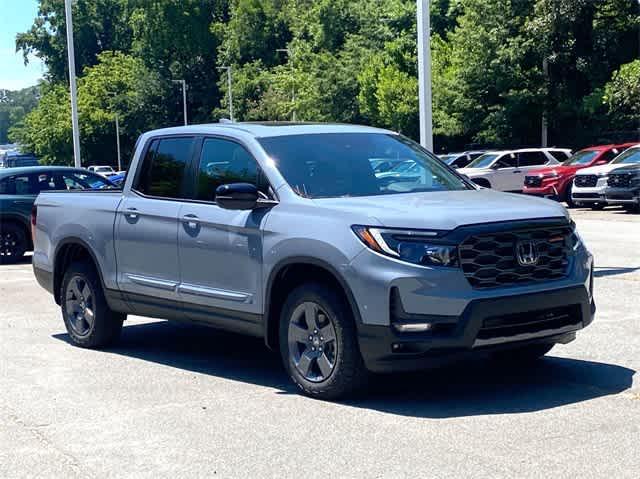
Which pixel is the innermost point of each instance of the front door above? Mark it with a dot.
(221, 250)
(507, 174)
(146, 240)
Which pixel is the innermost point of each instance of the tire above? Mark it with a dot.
(13, 242)
(334, 369)
(598, 206)
(82, 294)
(523, 355)
(633, 208)
(567, 196)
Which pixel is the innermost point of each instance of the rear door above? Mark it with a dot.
(221, 250)
(147, 221)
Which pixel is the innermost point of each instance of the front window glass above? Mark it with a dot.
(223, 162)
(333, 165)
(85, 181)
(631, 156)
(581, 158)
(483, 161)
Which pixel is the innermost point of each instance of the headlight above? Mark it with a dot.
(552, 174)
(417, 247)
(578, 241)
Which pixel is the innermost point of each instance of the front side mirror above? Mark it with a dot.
(237, 196)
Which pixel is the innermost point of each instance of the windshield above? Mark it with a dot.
(448, 159)
(334, 165)
(631, 156)
(483, 161)
(101, 169)
(581, 158)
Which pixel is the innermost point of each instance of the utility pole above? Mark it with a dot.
(184, 98)
(229, 90)
(290, 55)
(72, 84)
(424, 74)
(118, 142)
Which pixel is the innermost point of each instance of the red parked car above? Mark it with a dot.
(555, 181)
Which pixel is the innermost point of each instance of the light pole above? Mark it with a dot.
(72, 84)
(118, 142)
(230, 92)
(424, 74)
(184, 98)
(289, 53)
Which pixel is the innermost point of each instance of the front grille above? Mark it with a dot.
(490, 260)
(586, 181)
(530, 322)
(533, 181)
(619, 180)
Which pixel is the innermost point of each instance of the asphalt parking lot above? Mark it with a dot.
(181, 401)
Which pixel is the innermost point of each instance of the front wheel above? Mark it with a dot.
(567, 196)
(598, 206)
(318, 343)
(87, 316)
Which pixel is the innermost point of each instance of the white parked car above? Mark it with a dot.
(590, 184)
(506, 170)
(106, 171)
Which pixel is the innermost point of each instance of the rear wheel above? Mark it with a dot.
(13, 242)
(318, 343)
(598, 206)
(523, 355)
(88, 319)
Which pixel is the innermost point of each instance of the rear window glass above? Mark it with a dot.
(163, 168)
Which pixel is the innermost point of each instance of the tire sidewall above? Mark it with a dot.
(21, 247)
(106, 324)
(347, 352)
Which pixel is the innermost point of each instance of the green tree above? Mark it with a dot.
(622, 97)
(14, 105)
(98, 25)
(119, 84)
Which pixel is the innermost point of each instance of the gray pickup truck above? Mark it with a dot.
(286, 232)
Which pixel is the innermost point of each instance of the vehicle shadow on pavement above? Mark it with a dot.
(602, 271)
(468, 389)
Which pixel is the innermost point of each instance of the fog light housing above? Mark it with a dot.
(413, 327)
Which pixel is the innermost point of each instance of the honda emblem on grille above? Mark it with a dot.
(527, 253)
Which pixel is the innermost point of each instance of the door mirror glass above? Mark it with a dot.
(237, 196)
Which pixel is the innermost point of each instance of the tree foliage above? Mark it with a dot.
(498, 67)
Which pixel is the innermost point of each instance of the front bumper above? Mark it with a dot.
(385, 350)
(590, 195)
(550, 191)
(622, 196)
(391, 294)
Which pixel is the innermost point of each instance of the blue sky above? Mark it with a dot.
(16, 16)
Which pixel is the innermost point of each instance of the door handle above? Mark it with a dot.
(191, 220)
(517, 171)
(22, 202)
(131, 213)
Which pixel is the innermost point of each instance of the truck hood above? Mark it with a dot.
(599, 170)
(444, 210)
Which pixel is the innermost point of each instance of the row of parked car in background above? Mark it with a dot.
(592, 177)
